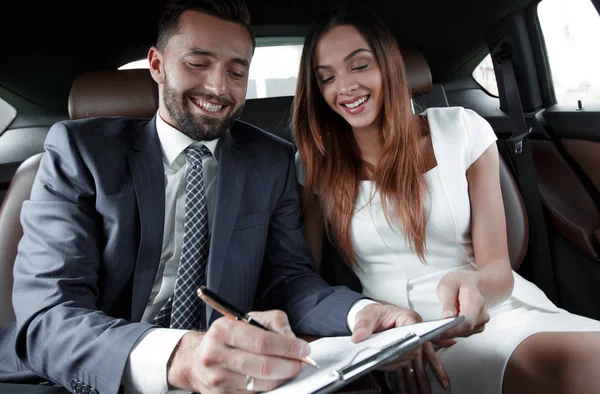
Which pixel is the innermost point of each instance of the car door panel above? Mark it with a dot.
(587, 155)
(572, 188)
(571, 208)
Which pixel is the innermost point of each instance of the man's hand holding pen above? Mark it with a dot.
(258, 351)
(236, 356)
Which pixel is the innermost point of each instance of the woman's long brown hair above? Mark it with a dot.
(331, 155)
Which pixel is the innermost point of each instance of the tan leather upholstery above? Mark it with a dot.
(10, 228)
(417, 72)
(130, 93)
(517, 224)
(134, 93)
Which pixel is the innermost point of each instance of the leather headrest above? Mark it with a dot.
(133, 93)
(129, 93)
(417, 72)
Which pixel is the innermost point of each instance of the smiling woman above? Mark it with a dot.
(414, 204)
(357, 78)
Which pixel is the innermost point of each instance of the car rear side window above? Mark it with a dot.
(274, 67)
(571, 31)
(485, 77)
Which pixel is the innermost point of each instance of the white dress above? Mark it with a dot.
(389, 270)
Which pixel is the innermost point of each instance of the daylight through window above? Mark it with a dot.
(571, 30)
(273, 71)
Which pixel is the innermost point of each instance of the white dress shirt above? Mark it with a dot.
(146, 369)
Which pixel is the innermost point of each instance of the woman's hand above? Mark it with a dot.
(409, 368)
(413, 379)
(460, 296)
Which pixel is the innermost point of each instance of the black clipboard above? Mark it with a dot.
(351, 372)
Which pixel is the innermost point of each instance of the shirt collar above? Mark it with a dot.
(173, 141)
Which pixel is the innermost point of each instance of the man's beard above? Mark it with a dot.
(204, 127)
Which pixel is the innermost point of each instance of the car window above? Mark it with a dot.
(274, 67)
(485, 77)
(7, 114)
(571, 31)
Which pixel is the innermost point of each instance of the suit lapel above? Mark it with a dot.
(145, 162)
(230, 185)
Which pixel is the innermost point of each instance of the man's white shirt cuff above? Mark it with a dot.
(146, 369)
(357, 307)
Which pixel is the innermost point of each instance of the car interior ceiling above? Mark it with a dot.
(38, 74)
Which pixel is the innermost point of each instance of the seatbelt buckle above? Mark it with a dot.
(517, 141)
(501, 52)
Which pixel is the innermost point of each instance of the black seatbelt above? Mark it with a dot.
(541, 259)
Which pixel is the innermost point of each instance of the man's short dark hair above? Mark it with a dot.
(229, 10)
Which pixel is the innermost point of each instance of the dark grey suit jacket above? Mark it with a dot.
(93, 236)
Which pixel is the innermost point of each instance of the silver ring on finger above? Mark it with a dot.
(249, 383)
(411, 382)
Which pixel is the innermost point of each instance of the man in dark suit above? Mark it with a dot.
(128, 217)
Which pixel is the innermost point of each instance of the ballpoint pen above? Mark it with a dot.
(230, 311)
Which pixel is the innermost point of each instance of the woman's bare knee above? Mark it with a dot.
(555, 362)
